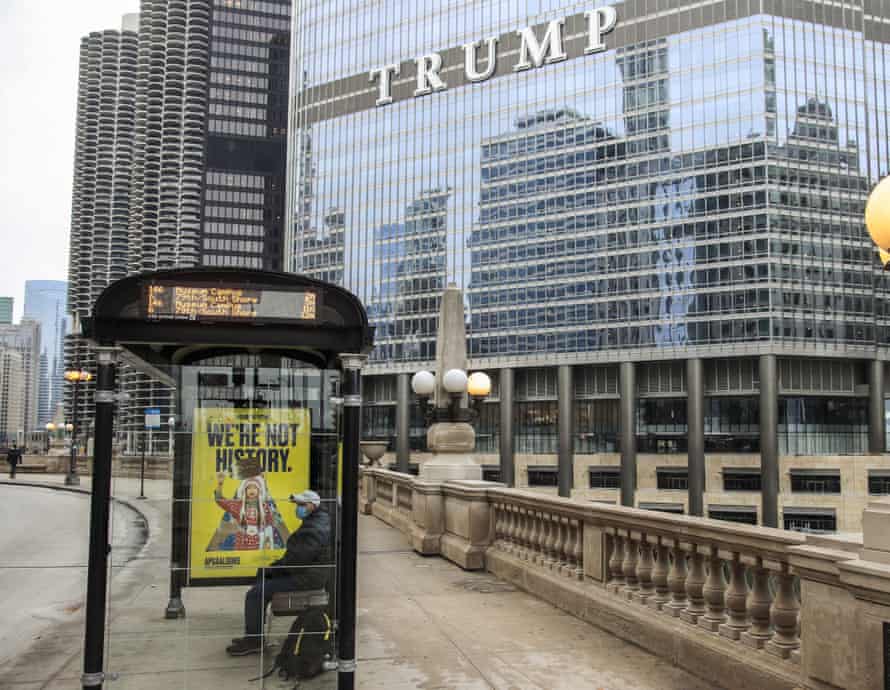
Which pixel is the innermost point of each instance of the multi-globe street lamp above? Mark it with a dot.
(75, 378)
(456, 383)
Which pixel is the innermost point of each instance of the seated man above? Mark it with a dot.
(306, 546)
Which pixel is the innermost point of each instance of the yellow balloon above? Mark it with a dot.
(877, 214)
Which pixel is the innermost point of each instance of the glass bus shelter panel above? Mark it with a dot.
(246, 439)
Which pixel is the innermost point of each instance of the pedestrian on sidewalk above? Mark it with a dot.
(13, 457)
(304, 566)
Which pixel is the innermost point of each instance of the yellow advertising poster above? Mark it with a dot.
(245, 464)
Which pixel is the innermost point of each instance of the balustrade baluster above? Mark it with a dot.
(736, 601)
(511, 529)
(631, 555)
(578, 550)
(695, 582)
(714, 593)
(528, 522)
(523, 534)
(644, 571)
(616, 560)
(784, 613)
(677, 581)
(758, 608)
(547, 543)
(542, 538)
(558, 544)
(553, 540)
(534, 537)
(660, 571)
(496, 542)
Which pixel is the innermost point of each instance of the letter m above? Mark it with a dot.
(534, 54)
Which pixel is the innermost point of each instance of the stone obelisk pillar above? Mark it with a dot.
(451, 443)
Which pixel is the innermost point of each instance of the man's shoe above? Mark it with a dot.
(245, 646)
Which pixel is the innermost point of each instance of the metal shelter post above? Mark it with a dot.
(346, 591)
(97, 573)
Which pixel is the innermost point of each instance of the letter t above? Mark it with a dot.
(384, 75)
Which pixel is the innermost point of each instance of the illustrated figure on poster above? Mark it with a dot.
(251, 520)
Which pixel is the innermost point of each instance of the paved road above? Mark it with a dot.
(43, 554)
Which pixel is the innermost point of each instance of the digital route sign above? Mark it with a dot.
(168, 301)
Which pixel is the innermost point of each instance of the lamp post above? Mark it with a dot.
(171, 425)
(50, 428)
(75, 378)
(456, 383)
(451, 437)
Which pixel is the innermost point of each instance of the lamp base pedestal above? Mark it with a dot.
(452, 445)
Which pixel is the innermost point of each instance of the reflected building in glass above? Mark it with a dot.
(661, 200)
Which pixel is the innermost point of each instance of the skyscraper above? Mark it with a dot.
(6, 305)
(655, 212)
(45, 302)
(103, 161)
(12, 393)
(24, 338)
(182, 117)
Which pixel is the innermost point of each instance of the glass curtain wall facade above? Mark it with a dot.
(641, 181)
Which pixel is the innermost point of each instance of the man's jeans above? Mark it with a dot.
(259, 596)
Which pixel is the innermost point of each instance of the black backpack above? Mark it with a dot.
(306, 648)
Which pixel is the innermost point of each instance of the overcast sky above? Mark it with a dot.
(39, 44)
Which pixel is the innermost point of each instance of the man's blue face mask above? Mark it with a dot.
(302, 512)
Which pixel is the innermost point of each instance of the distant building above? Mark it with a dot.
(25, 339)
(45, 302)
(12, 388)
(6, 304)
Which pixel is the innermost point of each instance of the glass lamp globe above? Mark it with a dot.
(69, 427)
(455, 381)
(423, 383)
(479, 385)
(877, 214)
(50, 426)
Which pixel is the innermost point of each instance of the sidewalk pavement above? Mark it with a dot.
(423, 623)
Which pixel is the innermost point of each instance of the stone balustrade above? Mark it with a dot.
(718, 598)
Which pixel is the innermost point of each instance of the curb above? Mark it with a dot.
(85, 492)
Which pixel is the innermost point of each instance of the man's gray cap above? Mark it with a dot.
(307, 496)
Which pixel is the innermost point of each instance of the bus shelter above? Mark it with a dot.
(265, 374)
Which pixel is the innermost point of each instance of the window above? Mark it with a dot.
(746, 515)
(535, 427)
(542, 476)
(879, 482)
(675, 508)
(810, 519)
(741, 479)
(673, 478)
(816, 481)
(491, 473)
(605, 477)
(413, 468)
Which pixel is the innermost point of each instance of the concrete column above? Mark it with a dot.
(403, 422)
(505, 442)
(627, 387)
(695, 416)
(565, 451)
(876, 434)
(769, 440)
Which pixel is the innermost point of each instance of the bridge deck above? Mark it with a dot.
(425, 623)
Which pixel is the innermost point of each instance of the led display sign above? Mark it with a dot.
(166, 301)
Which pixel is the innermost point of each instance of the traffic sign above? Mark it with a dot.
(152, 417)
